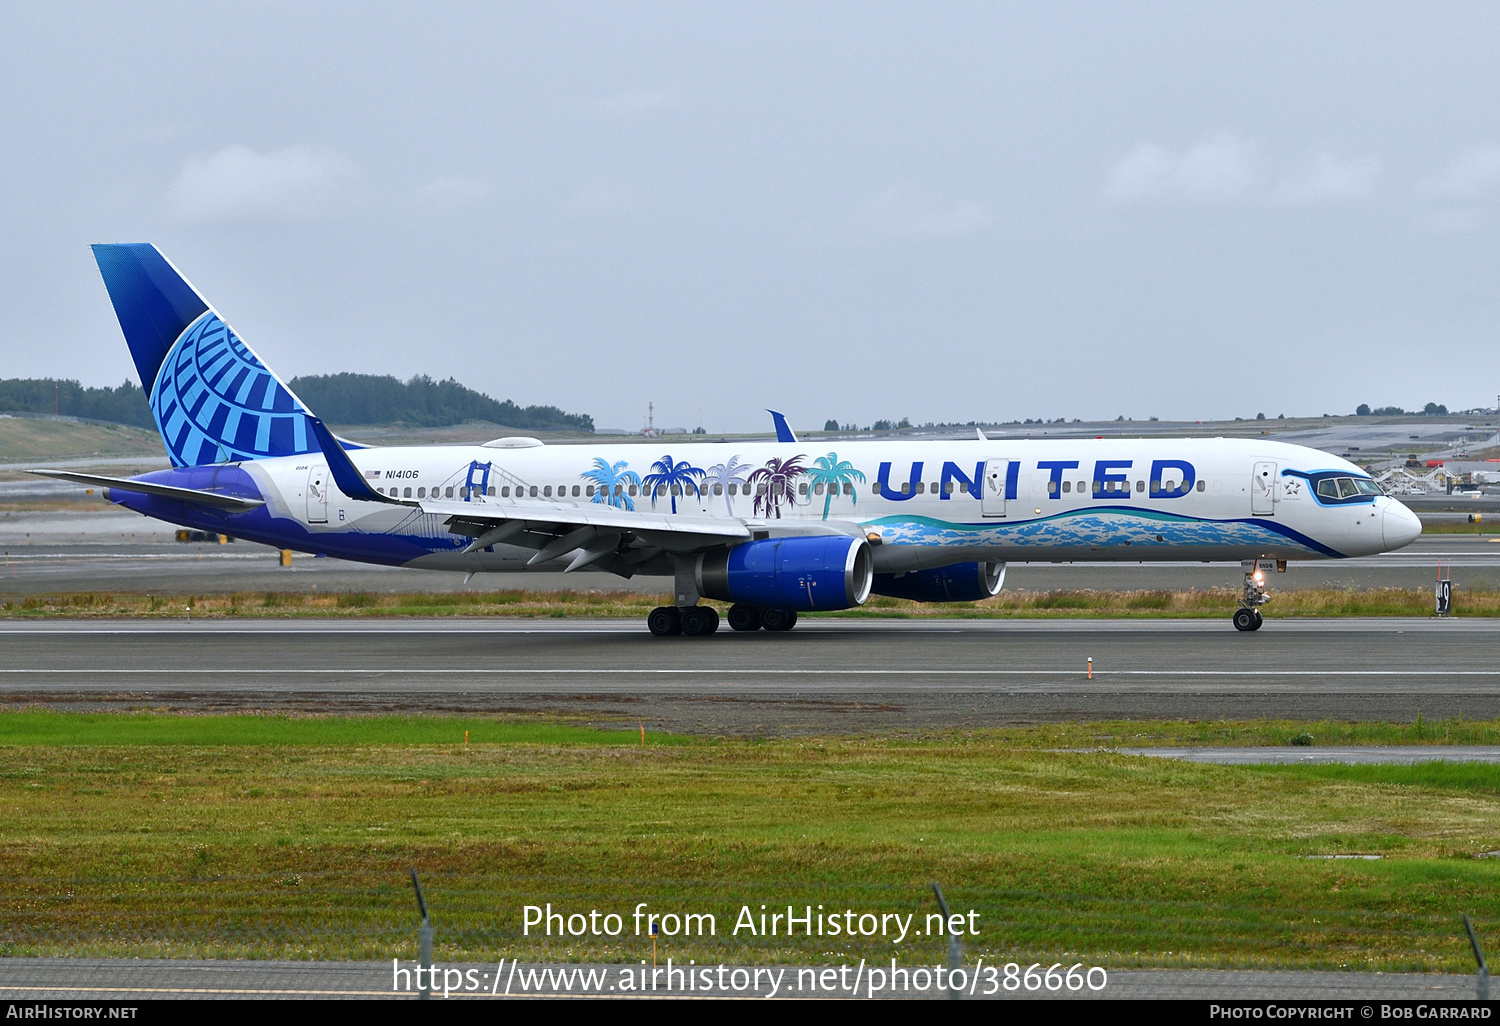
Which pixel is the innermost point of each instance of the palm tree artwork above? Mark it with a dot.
(779, 478)
(613, 483)
(673, 477)
(834, 473)
(726, 474)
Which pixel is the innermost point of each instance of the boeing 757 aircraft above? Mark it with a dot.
(773, 527)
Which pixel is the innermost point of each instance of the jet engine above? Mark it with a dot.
(821, 572)
(961, 582)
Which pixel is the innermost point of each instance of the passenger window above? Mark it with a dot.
(1328, 488)
(1155, 485)
(1171, 486)
(818, 488)
(762, 488)
(1067, 486)
(588, 490)
(575, 491)
(677, 490)
(1202, 485)
(620, 490)
(547, 491)
(533, 491)
(504, 492)
(1082, 486)
(921, 487)
(874, 488)
(422, 493)
(463, 493)
(1140, 486)
(492, 489)
(905, 487)
(802, 488)
(633, 490)
(1052, 487)
(407, 494)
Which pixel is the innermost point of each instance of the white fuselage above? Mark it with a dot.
(930, 503)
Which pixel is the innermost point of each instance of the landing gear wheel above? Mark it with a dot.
(1246, 619)
(698, 621)
(744, 618)
(664, 620)
(778, 619)
(1258, 621)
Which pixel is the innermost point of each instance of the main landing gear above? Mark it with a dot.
(1247, 617)
(697, 621)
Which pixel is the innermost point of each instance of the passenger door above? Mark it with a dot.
(317, 495)
(992, 489)
(1263, 489)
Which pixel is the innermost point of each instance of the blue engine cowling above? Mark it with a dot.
(822, 572)
(961, 582)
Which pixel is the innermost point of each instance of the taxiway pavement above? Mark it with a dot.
(827, 675)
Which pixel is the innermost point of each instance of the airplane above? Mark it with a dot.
(774, 528)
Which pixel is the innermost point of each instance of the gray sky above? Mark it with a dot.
(944, 212)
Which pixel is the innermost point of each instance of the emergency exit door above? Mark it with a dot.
(1263, 490)
(992, 490)
(317, 495)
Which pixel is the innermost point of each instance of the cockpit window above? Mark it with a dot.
(1337, 488)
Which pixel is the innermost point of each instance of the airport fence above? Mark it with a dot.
(477, 918)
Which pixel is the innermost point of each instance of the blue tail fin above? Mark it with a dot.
(214, 400)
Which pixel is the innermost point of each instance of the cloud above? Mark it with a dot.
(1468, 176)
(1331, 179)
(601, 198)
(906, 211)
(1219, 169)
(637, 101)
(239, 184)
(453, 192)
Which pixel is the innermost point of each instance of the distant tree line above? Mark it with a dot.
(342, 399)
(420, 402)
(1430, 410)
(122, 404)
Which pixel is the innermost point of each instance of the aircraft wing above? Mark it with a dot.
(619, 540)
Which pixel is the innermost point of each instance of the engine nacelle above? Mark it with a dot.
(821, 572)
(961, 582)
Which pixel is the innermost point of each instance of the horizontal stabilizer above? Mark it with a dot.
(192, 496)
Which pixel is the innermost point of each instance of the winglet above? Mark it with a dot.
(783, 432)
(982, 436)
(345, 474)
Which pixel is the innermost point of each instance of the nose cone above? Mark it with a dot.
(1399, 525)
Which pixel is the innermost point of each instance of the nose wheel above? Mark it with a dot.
(1247, 617)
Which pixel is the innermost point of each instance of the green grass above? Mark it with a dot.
(53, 728)
(155, 835)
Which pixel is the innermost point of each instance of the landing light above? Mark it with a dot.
(1259, 577)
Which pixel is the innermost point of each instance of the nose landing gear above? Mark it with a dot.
(1247, 617)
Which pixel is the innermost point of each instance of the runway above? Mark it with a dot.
(827, 676)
